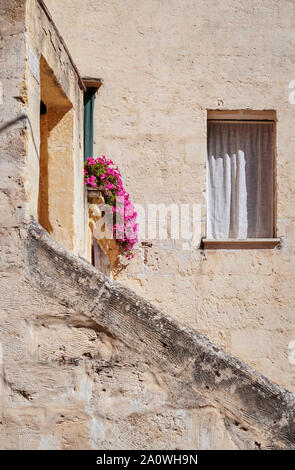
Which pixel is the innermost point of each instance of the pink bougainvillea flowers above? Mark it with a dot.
(101, 173)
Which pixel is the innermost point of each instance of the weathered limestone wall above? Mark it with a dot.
(13, 129)
(163, 64)
(93, 365)
(12, 124)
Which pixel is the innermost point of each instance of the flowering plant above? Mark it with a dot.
(100, 173)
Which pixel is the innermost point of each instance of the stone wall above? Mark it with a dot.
(163, 64)
(12, 116)
(87, 363)
(84, 361)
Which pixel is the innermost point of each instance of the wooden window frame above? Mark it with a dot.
(92, 85)
(248, 243)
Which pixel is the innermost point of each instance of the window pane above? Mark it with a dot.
(240, 179)
(89, 97)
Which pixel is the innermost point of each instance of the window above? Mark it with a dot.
(240, 177)
(89, 97)
(92, 85)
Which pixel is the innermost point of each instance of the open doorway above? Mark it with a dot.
(56, 182)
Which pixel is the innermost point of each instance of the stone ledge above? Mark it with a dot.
(263, 411)
(236, 244)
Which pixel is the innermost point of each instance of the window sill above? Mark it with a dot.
(234, 244)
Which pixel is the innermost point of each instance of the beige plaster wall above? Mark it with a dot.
(163, 64)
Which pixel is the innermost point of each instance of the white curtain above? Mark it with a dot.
(240, 180)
